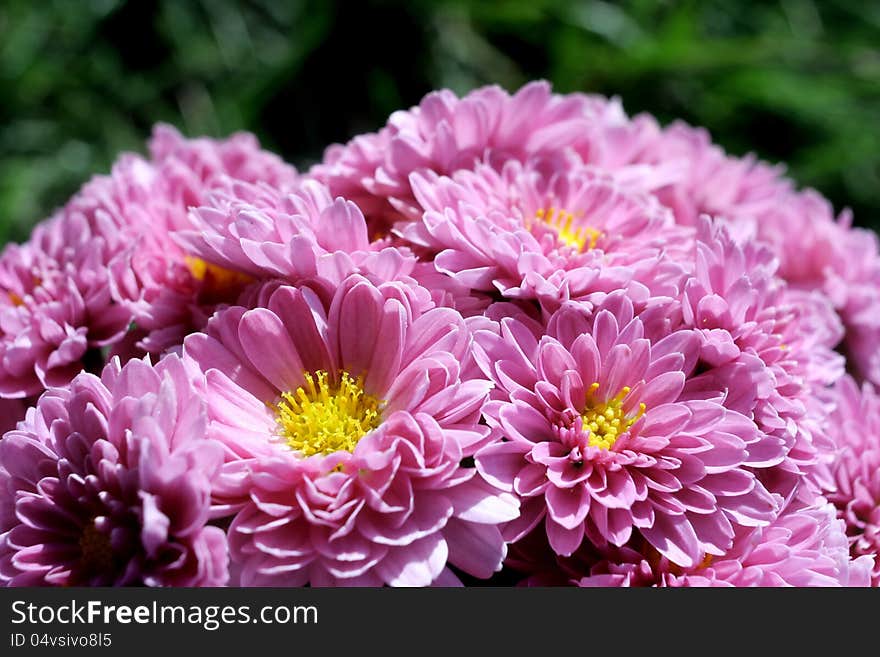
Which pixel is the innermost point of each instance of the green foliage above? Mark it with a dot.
(795, 81)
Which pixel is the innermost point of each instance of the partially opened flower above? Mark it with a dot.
(855, 427)
(347, 425)
(108, 482)
(601, 446)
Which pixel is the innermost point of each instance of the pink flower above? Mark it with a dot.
(56, 308)
(761, 337)
(170, 291)
(853, 285)
(855, 426)
(707, 180)
(345, 170)
(347, 424)
(538, 230)
(108, 482)
(445, 133)
(805, 546)
(816, 251)
(600, 445)
(263, 233)
(191, 167)
(44, 331)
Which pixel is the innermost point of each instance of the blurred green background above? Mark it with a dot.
(794, 81)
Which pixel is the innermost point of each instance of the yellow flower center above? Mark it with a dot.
(216, 281)
(655, 559)
(15, 299)
(322, 417)
(578, 237)
(96, 551)
(607, 420)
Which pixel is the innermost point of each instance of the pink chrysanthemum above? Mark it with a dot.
(170, 291)
(853, 286)
(346, 169)
(804, 546)
(346, 425)
(599, 443)
(108, 482)
(704, 179)
(43, 324)
(445, 133)
(760, 337)
(191, 167)
(56, 308)
(262, 233)
(536, 230)
(855, 426)
(816, 251)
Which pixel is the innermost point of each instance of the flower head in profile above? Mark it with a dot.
(108, 482)
(855, 427)
(853, 286)
(600, 445)
(348, 423)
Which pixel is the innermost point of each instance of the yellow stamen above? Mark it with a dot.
(322, 417)
(216, 281)
(17, 299)
(655, 559)
(607, 420)
(578, 237)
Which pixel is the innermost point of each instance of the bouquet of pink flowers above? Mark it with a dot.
(516, 339)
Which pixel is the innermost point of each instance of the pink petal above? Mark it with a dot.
(417, 564)
(564, 541)
(476, 549)
(500, 463)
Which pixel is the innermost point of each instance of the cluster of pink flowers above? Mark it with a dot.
(508, 338)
